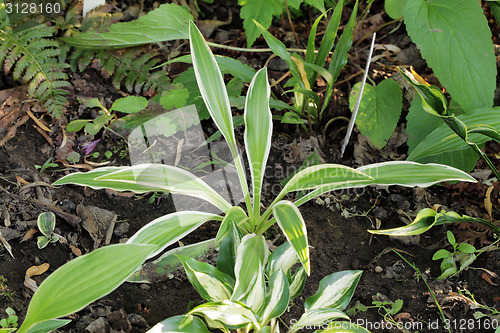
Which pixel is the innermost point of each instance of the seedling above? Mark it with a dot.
(129, 104)
(386, 308)
(46, 223)
(47, 164)
(11, 320)
(454, 262)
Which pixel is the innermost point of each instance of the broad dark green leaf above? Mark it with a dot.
(226, 258)
(454, 37)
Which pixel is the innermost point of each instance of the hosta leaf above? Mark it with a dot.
(316, 317)
(169, 228)
(83, 280)
(236, 215)
(210, 283)
(277, 298)
(48, 325)
(282, 258)
(335, 291)
(298, 282)
(232, 314)
(167, 22)
(454, 38)
(226, 258)
(46, 223)
(252, 254)
(161, 177)
(180, 324)
(261, 11)
(293, 226)
(258, 130)
(443, 139)
(379, 110)
(89, 179)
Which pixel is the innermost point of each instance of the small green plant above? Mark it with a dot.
(386, 308)
(11, 320)
(4, 290)
(46, 223)
(129, 104)
(112, 265)
(454, 262)
(308, 108)
(48, 164)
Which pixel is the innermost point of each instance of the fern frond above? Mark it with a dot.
(31, 55)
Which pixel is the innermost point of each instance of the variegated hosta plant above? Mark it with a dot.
(75, 287)
(250, 289)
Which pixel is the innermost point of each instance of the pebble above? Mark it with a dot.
(137, 320)
(378, 269)
(145, 286)
(121, 229)
(97, 326)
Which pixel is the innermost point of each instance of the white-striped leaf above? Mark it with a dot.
(83, 280)
(231, 314)
(236, 215)
(335, 291)
(211, 284)
(251, 259)
(161, 177)
(169, 228)
(282, 258)
(89, 179)
(45, 326)
(180, 324)
(277, 297)
(298, 282)
(211, 84)
(226, 258)
(316, 317)
(293, 226)
(258, 130)
(343, 327)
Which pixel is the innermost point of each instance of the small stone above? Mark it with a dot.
(137, 320)
(121, 229)
(378, 269)
(97, 326)
(145, 286)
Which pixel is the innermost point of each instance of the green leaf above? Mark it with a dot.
(169, 228)
(443, 139)
(451, 238)
(379, 110)
(252, 254)
(424, 220)
(318, 4)
(211, 85)
(277, 297)
(232, 314)
(209, 282)
(167, 22)
(293, 226)
(395, 8)
(335, 291)
(129, 104)
(46, 223)
(236, 215)
(180, 324)
(440, 254)
(89, 179)
(261, 11)
(298, 282)
(161, 177)
(48, 325)
(454, 38)
(317, 317)
(83, 280)
(162, 269)
(258, 130)
(226, 258)
(76, 125)
(174, 98)
(466, 248)
(42, 242)
(282, 258)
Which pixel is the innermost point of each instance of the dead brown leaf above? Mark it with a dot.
(487, 201)
(76, 251)
(34, 271)
(29, 235)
